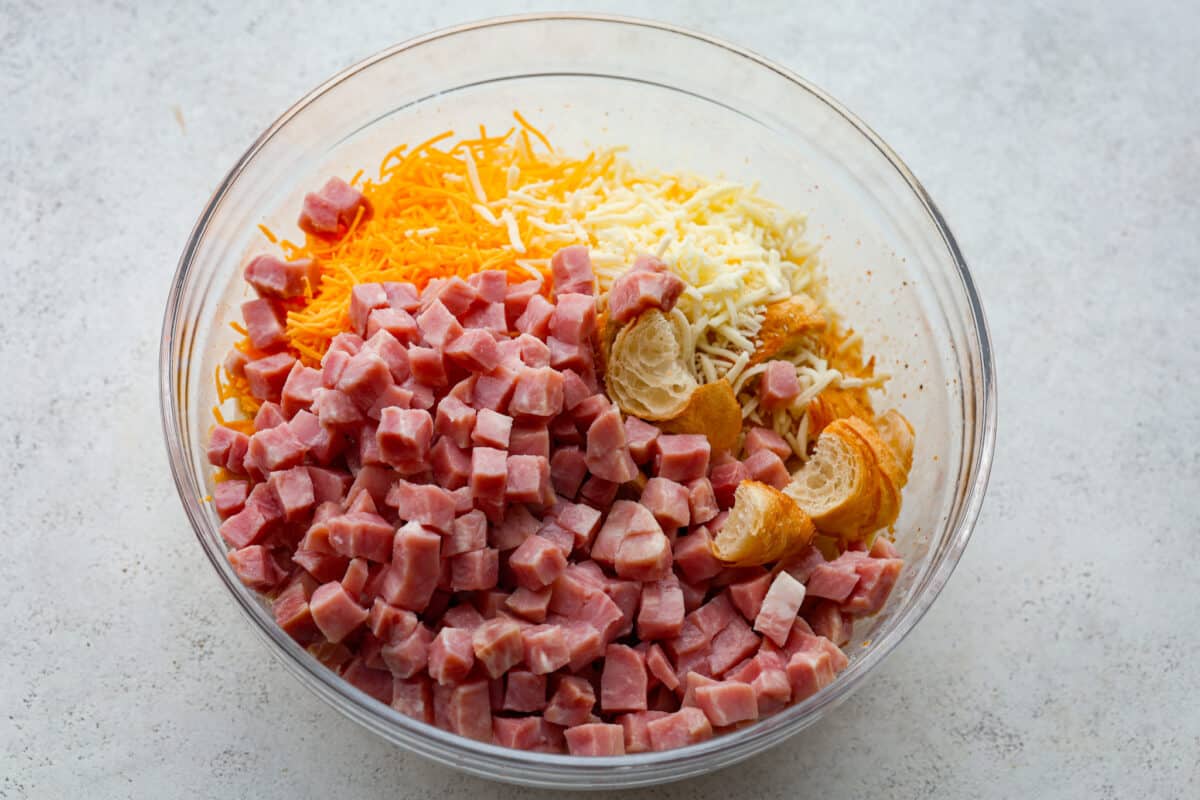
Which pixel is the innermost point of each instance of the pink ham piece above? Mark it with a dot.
(451, 464)
(336, 411)
(727, 703)
(517, 297)
(427, 366)
(574, 318)
(254, 567)
(470, 711)
(572, 702)
(388, 623)
(662, 610)
(535, 318)
(454, 293)
(641, 437)
(877, 577)
(492, 429)
(694, 558)
(402, 296)
(813, 667)
(498, 646)
(568, 468)
(455, 420)
(524, 691)
(407, 656)
(527, 479)
(626, 518)
(335, 612)
(274, 449)
(595, 739)
(328, 213)
(413, 573)
(426, 504)
(682, 457)
(404, 436)
(267, 376)
(660, 668)
(264, 323)
(545, 648)
(269, 415)
(414, 698)
(464, 616)
(528, 604)
(759, 439)
(365, 377)
(451, 656)
(227, 448)
(577, 356)
(623, 683)
(668, 502)
(495, 389)
(399, 325)
(477, 570)
(538, 393)
(489, 474)
(518, 525)
(836, 579)
(571, 271)
(469, 533)
(747, 596)
(520, 733)
(580, 520)
(299, 389)
(475, 350)
(702, 501)
(273, 277)
(361, 534)
(767, 467)
(536, 563)
(731, 645)
(438, 326)
(725, 479)
(686, 726)
(607, 451)
(779, 608)
(229, 497)
(490, 285)
(827, 619)
(365, 298)
(584, 644)
(779, 387)
(357, 574)
(644, 557)
(637, 740)
(647, 284)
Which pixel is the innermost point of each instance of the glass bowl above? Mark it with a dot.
(680, 101)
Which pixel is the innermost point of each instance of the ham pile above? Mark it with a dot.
(452, 514)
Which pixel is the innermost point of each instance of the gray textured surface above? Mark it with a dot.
(1063, 144)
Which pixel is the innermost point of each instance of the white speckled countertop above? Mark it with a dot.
(1062, 141)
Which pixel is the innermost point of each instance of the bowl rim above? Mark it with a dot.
(378, 718)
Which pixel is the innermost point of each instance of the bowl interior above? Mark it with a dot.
(679, 103)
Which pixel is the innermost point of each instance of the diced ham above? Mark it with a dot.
(574, 318)
(576, 356)
(573, 589)
(406, 656)
(361, 534)
(827, 619)
(626, 518)
(595, 739)
(685, 726)
(731, 645)
(451, 656)
(607, 451)
(524, 691)
(274, 449)
(330, 211)
(877, 577)
(529, 439)
(229, 497)
(772, 690)
(404, 436)
(538, 392)
(766, 467)
(470, 711)
(644, 557)
(779, 386)
(727, 703)
(535, 318)
(357, 573)
(438, 325)
(660, 668)
(801, 565)
(601, 611)
(694, 557)
(416, 564)
(489, 473)
(648, 284)
(254, 567)
(637, 740)
(518, 525)
(475, 350)
(536, 563)
(413, 697)
(662, 610)
(365, 298)
(834, 580)
(365, 377)
(454, 293)
(488, 317)
(399, 324)
(389, 623)
(299, 389)
(747, 596)
(469, 533)
(292, 613)
(336, 410)
(682, 457)
(335, 612)
(375, 682)
(227, 448)
(572, 702)
(568, 467)
(463, 615)
(451, 464)
(429, 505)
(623, 684)
(475, 571)
(759, 439)
(702, 501)
(269, 415)
(529, 604)
(498, 645)
(584, 644)
(779, 608)
(813, 667)
(455, 420)
(571, 271)
(264, 324)
(545, 648)
(521, 733)
(267, 376)
(641, 437)
(490, 285)
(273, 277)
(495, 389)
(517, 297)
(527, 479)
(492, 429)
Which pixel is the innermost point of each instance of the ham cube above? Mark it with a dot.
(598, 492)
(668, 502)
(337, 411)
(404, 436)
(470, 712)
(454, 293)
(827, 619)
(406, 656)
(322, 444)
(416, 564)
(402, 296)
(475, 350)
(779, 386)
(292, 614)
(527, 479)
(492, 429)
(574, 318)
(273, 277)
(365, 377)
(536, 563)
(426, 504)
(759, 439)
(727, 703)
(520, 733)
(427, 366)
(489, 473)
(779, 608)
(264, 324)
(682, 457)
(747, 596)
(455, 420)
(767, 467)
(802, 564)
(227, 448)
(329, 212)
(538, 392)
(399, 325)
(335, 612)
(490, 285)
(517, 297)
(438, 326)
(267, 376)
(533, 351)
(529, 440)
(686, 726)
(528, 604)
(545, 648)
(299, 389)
(254, 567)
(834, 580)
(568, 468)
(627, 596)
(469, 534)
(810, 670)
(274, 449)
(714, 616)
(581, 521)
(413, 697)
(725, 479)
(572, 702)
(644, 557)
(495, 389)
(694, 681)
(518, 525)
(731, 645)
(702, 500)
(269, 415)
(660, 668)
(623, 683)
(365, 298)
(637, 740)
(573, 589)
(595, 739)
(625, 519)
(489, 317)
(647, 284)
(498, 646)
(877, 577)
(662, 610)
(477, 570)
(374, 682)
(451, 656)
(451, 464)
(602, 613)
(694, 557)
(524, 691)
(388, 623)
(356, 576)
(640, 437)
(607, 451)
(571, 271)
(464, 616)
(772, 690)
(576, 356)
(361, 534)
(229, 497)
(535, 318)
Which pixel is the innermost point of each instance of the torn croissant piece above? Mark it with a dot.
(764, 525)
(647, 370)
(836, 403)
(713, 410)
(785, 324)
(897, 432)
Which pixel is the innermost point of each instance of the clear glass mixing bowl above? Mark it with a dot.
(680, 101)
